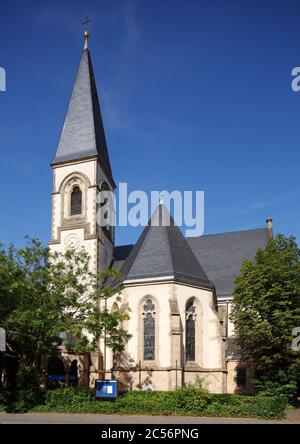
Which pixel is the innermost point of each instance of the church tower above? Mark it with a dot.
(81, 168)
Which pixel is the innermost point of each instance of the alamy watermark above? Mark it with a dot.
(2, 79)
(137, 208)
(296, 80)
(296, 340)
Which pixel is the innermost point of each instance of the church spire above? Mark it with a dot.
(83, 133)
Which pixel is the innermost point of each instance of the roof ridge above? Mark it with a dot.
(169, 240)
(90, 82)
(226, 232)
(134, 252)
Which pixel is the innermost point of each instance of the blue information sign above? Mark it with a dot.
(56, 378)
(106, 389)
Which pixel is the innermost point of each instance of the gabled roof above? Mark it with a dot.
(220, 255)
(83, 132)
(163, 252)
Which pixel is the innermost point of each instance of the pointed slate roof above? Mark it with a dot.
(163, 252)
(83, 132)
(220, 255)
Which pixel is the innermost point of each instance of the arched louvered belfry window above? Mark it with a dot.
(106, 209)
(76, 201)
(190, 331)
(149, 330)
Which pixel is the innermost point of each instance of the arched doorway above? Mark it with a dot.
(56, 372)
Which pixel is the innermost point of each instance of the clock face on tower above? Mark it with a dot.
(72, 242)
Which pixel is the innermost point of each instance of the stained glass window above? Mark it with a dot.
(149, 306)
(190, 332)
(76, 201)
(190, 308)
(149, 331)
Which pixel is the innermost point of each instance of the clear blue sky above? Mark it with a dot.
(195, 95)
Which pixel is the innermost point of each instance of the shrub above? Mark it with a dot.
(83, 400)
(149, 402)
(69, 397)
(2, 399)
(25, 395)
(191, 399)
(252, 406)
(271, 388)
(188, 400)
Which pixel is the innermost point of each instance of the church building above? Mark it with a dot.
(178, 290)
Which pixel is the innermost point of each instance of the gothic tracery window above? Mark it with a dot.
(149, 330)
(190, 331)
(76, 201)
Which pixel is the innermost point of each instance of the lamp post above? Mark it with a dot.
(104, 351)
(2, 350)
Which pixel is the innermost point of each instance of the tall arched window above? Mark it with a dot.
(76, 201)
(190, 331)
(149, 330)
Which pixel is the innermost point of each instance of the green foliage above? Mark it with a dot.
(252, 406)
(266, 309)
(68, 396)
(2, 399)
(188, 400)
(26, 393)
(271, 388)
(191, 399)
(44, 294)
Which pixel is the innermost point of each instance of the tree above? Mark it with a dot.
(44, 294)
(266, 309)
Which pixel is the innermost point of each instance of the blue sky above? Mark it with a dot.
(195, 95)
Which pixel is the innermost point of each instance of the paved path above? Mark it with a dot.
(65, 418)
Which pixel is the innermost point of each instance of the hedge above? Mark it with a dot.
(184, 401)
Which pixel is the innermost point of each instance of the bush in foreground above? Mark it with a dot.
(24, 395)
(187, 400)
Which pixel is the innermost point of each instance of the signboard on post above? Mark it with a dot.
(2, 340)
(106, 389)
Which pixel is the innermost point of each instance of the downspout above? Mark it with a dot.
(226, 345)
